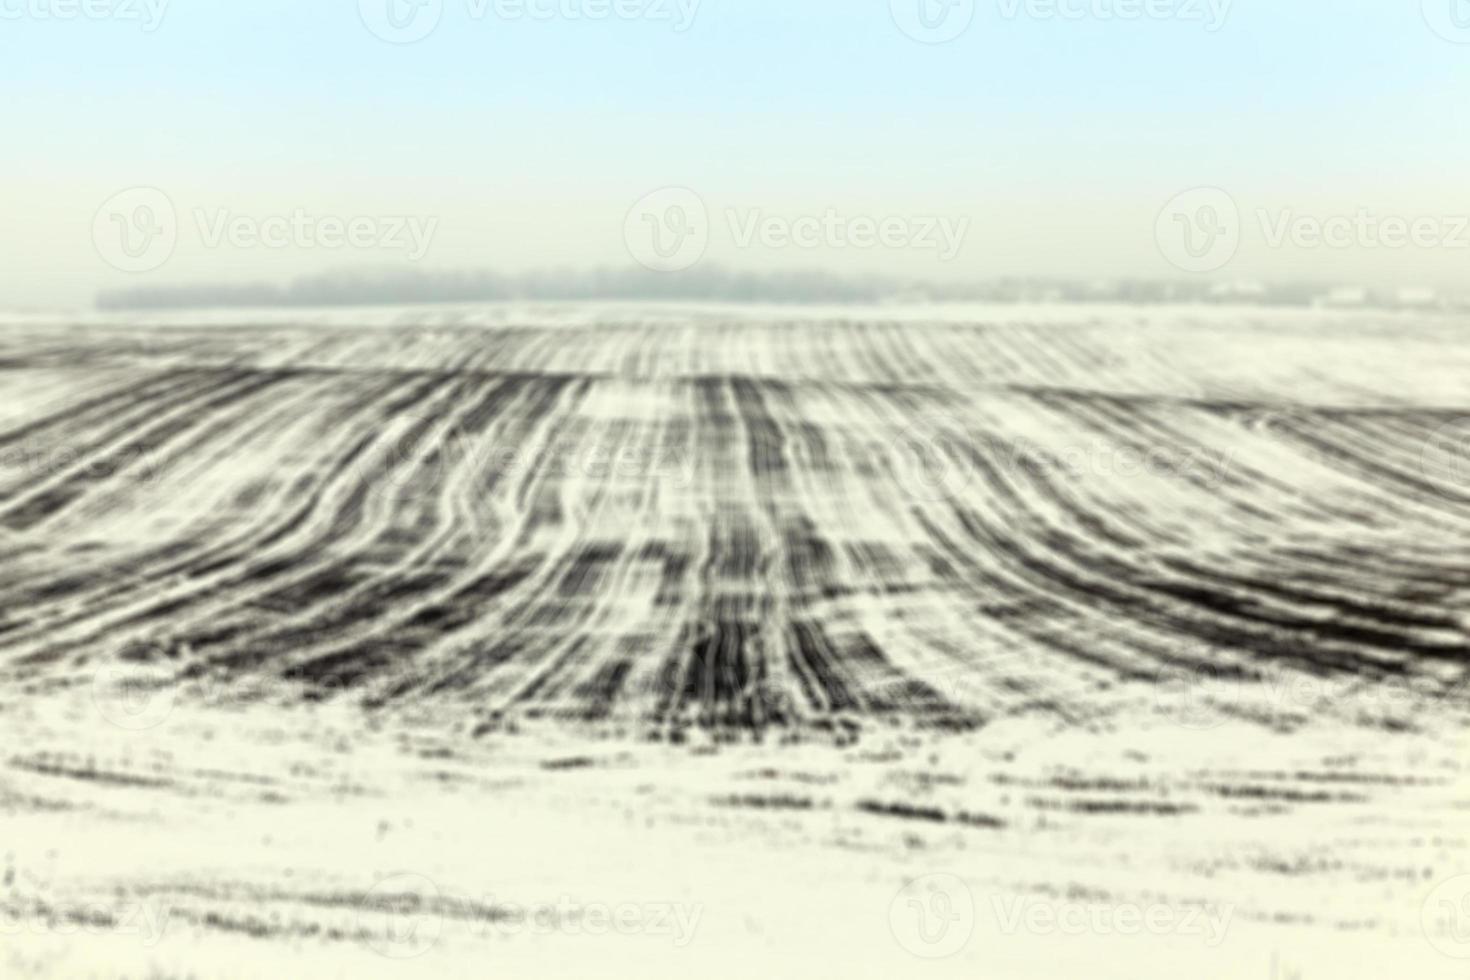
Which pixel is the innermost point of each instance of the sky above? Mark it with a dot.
(152, 142)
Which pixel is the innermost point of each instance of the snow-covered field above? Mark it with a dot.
(547, 640)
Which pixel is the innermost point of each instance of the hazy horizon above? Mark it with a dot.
(1041, 140)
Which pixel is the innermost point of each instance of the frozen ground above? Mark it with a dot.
(985, 642)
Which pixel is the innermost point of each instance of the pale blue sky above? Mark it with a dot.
(528, 141)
